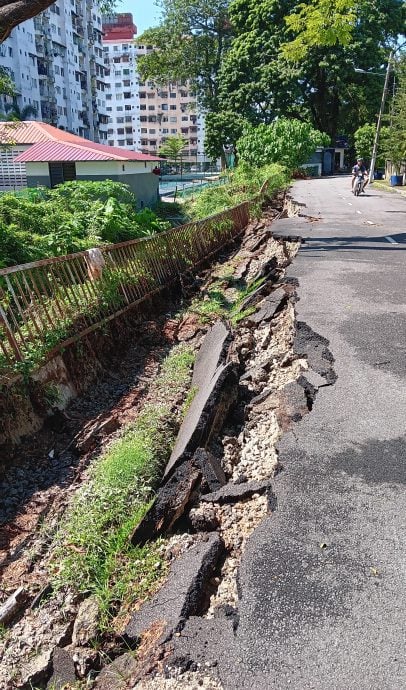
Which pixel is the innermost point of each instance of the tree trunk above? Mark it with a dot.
(14, 12)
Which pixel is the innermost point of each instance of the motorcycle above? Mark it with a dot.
(358, 184)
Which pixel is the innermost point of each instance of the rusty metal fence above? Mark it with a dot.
(48, 304)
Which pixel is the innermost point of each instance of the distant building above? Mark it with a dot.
(141, 115)
(48, 156)
(56, 62)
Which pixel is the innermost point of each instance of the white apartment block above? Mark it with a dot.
(141, 115)
(56, 62)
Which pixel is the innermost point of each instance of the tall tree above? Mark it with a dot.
(190, 43)
(259, 82)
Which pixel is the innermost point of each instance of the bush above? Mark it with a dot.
(287, 142)
(72, 217)
(244, 183)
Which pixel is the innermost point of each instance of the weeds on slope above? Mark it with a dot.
(94, 553)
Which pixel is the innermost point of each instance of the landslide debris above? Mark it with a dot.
(225, 456)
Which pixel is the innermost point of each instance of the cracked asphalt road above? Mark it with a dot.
(323, 580)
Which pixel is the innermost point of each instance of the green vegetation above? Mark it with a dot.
(364, 141)
(287, 142)
(395, 144)
(173, 148)
(224, 299)
(258, 82)
(72, 217)
(93, 552)
(244, 183)
(192, 39)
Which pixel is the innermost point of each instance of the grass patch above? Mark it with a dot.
(93, 552)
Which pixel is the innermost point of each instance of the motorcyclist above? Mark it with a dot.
(359, 167)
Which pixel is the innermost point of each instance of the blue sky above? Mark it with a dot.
(145, 13)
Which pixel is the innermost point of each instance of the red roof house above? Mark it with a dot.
(51, 156)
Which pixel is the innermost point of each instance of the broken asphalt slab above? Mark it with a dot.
(183, 593)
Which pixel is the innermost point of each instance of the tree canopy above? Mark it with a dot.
(190, 43)
(259, 82)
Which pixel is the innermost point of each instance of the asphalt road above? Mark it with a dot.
(323, 580)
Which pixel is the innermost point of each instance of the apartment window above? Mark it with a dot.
(128, 118)
(143, 94)
(144, 130)
(126, 82)
(120, 130)
(121, 142)
(151, 107)
(173, 119)
(119, 96)
(164, 94)
(124, 46)
(165, 131)
(144, 142)
(117, 73)
(172, 94)
(164, 106)
(120, 120)
(62, 72)
(117, 84)
(126, 72)
(173, 107)
(152, 131)
(129, 142)
(143, 118)
(116, 61)
(174, 131)
(143, 107)
(111, 142)
(109, 109)
(110, 131)
(120, 108)
(128, 130)
(10, 51)
(108, 96)
(127, 107)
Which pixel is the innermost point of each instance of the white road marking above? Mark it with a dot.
(391, 240)
(349, 203)
(360, 212)
(370, 222)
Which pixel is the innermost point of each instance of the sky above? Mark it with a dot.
(145, 13)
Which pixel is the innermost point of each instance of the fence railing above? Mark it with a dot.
(48, 304)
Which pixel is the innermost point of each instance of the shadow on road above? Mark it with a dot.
(334, 243)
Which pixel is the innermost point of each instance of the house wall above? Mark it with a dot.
(37, 175)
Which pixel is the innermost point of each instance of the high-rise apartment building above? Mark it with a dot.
(142, 115)
(56, 61)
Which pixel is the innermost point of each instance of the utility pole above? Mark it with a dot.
(378, 126)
